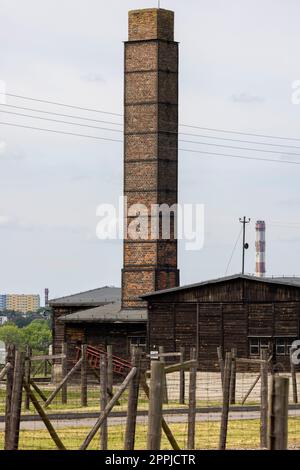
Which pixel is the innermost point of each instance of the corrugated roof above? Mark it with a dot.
(288, 281)
(107, 313)
(94, 297)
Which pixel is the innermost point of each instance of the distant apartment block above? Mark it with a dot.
(3, 320)
(2, 302)
(20, 302)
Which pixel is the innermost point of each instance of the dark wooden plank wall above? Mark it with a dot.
(58, 328)
(96, 334)
(210, 334)
(226, 325)
(235, 331)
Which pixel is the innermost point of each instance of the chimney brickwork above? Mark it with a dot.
(150, 147)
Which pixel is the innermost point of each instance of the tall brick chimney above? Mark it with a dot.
(150, 147)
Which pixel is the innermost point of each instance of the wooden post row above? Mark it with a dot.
(133, 396)
(233, 376)
(278, 414)
(110, 372)
(226, 399)
(155, 406)
(64, 372)
(27, 375)
(108, 409)
(84, 397)
(264, 399)
(182, 378)
(161, 350)
(10, 358)
(192, 403)
(16, 402)
(294, 379)
(221, 362)
(103, 400)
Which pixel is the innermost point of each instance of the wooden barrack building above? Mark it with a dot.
(242, 312)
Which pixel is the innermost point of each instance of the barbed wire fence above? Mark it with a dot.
(157, 401)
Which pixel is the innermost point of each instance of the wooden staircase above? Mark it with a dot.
(120, 366)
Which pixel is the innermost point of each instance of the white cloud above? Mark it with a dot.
(93, 77)
(5, 221)
(2, 148)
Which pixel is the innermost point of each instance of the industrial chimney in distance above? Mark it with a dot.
(260, 248)
(46, 297)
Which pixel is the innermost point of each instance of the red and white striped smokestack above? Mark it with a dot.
(260, 248)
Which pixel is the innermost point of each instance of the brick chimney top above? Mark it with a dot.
(151, 23)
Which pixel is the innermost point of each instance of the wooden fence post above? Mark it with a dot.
(181, 378)
(110, 372)
(10, 357)
(45, 368)
(161, 350)
(63, 382)
(192, 403)
(103, 400)
(165, 426)
(44, 417)
(64, 370)
(84, 398)
(294, 379)
(233, 376)
(27, 376)
(225, 405)
(221, 362)
(133, 396)
(16, 403)
(264, 400)
(155, 406)
(278, 414)
(103, 416)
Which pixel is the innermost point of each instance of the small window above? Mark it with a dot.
(139, 341)
(256, 345)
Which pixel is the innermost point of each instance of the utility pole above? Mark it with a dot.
(244, 221)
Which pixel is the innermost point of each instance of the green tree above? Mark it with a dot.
(11, 334)
(37, 335)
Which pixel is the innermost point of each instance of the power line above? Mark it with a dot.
(72, 116)
(120, 131)
(269, 144)
(62, 115)
(202, 152)
(61, 122)
(241, 133)
(59, 132)
(233, 251)
(56, 103)
(240, 148)
(289, 162)
(210, 129)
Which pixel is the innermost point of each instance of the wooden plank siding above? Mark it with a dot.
(235, 332)
(229, 314)
(210, 333)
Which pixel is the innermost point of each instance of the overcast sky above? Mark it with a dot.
(237, 64)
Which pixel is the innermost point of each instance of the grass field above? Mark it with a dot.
(241, 435)
(74, 405)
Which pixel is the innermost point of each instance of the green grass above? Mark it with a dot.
(74, 404)
(241, 435)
